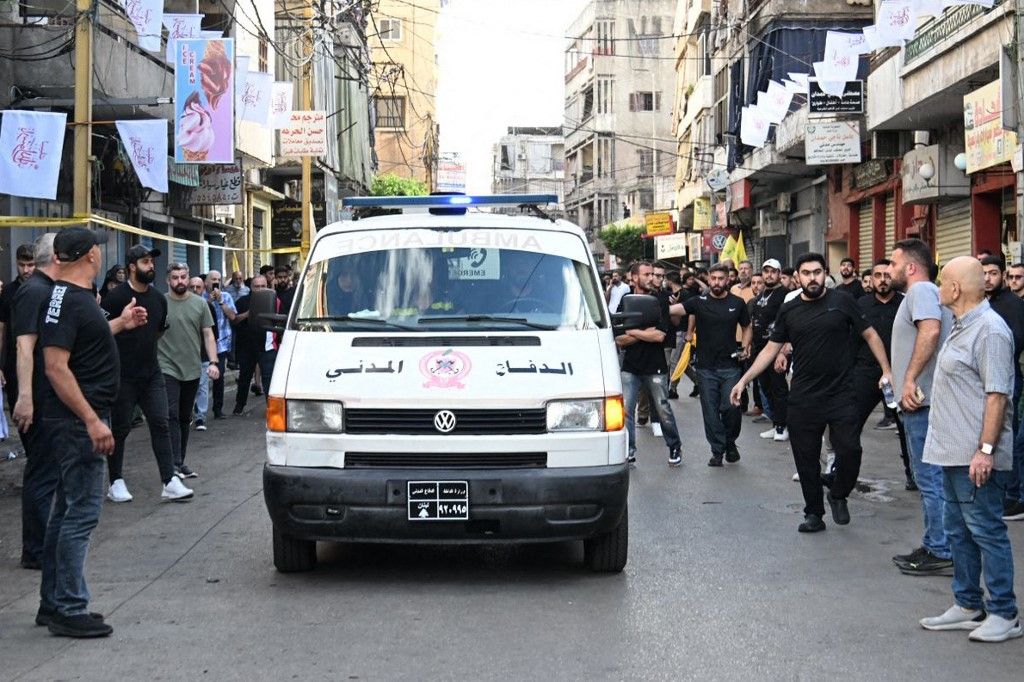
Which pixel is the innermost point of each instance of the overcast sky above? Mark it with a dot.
(500, 64)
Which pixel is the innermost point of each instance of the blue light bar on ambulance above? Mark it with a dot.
(445, 200)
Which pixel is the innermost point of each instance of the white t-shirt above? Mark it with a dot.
(618, 291)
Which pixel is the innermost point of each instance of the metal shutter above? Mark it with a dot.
(179, 252)
(953, 231)
(866, 232)
(890, 226)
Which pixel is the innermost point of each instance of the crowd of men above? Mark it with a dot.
(78, 362)
(821, 353)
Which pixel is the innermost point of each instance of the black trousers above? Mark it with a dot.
(865, 386)
(181, 396)
(218, 385)
(150, 394)
(776, 387)
(248, 358)
(38, 484)
(807, 423)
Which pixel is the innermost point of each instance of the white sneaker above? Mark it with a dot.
(780, 437)
(176, 491)
(997, 629)
(796, 477)
(119, 492)
(770, 433)
(955, 618)
(656, 429)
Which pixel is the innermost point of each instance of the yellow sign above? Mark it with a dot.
(658, 224)
(987, 144)
(701, 213)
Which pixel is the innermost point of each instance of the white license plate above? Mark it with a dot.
(438, 500)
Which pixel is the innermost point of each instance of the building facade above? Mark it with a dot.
(530, 161)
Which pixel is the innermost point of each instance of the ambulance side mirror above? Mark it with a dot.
(263, 311)
(637, 311)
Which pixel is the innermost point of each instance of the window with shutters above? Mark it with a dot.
(605, 94)
(645, 101)
(390, 112)
(645, 163)
(506, 157)
(703, 52)
(264, 55)
(259, 221)
(390, 29)
(605, 29)
(588, 104)
(605, 157)
(721, 94)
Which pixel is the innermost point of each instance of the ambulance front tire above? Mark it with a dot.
(292, 555)
(607, 553)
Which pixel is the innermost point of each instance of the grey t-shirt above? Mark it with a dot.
(920, 303)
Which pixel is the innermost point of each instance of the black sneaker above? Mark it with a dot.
(44, 616)
(185, 471)
(927, 564)
(732, 455)
(760, 419)
(901, 559)
(885, 424)
(840, 512)
(631, 459)
(31, 564)
(715, 461)
(82, 625)
(219, 415)
(642, 421)
(812, 524)
(237, 411)
(1013, 511)
(910, 485)
(673, 394)
(695, 393)
(256, 390)
(675, 457)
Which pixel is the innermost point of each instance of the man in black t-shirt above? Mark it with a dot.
(25, 259)
(252, 346)
(717, 314)
(644, 367)
(142, 382)
(850, 281)
(766, 307)
(819, 324)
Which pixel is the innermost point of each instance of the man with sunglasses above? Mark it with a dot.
(1015, 279)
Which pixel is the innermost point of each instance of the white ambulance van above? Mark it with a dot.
(447, 376)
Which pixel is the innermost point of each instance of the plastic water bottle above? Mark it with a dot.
(888, 395)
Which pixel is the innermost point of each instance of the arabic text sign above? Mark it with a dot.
(987, 144)
(670, 246)
(701, 213)
(305, 134)
(219, 185)
(204, 117)
(835, 142)
(852, 101)
(658, 224)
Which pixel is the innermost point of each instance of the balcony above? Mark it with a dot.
(936, 31)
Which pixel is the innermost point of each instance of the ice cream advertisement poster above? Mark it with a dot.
(204, 117)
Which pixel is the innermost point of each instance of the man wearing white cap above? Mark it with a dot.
(766, 309)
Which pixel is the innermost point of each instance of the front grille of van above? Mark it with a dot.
(446, 460)
(467, 422)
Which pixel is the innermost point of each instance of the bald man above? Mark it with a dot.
(970, 436)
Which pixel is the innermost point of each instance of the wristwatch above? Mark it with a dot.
(986, 448)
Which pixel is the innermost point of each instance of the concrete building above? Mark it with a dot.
(530, 161)
(402, 37)
(619, 80)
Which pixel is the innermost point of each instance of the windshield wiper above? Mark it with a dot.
(487, 318)
(358, 320)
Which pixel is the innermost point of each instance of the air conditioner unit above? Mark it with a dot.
(891, 144)
(783, 202)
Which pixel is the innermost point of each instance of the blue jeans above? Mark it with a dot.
(76, 512)
(722, 420)
(977, 535)
(766, 403)
(929, 481)
(657, 388)
(202, 406)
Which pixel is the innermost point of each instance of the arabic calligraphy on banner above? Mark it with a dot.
(305, 134)
(219, 185)
(987, 143)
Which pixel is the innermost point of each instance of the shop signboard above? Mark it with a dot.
(701, 213)
(832, 142)
(987, 143)
(670, 246)
(658, 224)
(820, 102)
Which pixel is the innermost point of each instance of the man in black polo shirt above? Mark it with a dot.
(644, 367)
(142, 382)
(850, 281)
(820, 324)
(765, 310)
(718, 313)
(879, 309)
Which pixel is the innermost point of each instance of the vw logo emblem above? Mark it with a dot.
(444, 421)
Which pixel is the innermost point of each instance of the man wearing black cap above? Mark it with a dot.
(81, 365)
(142, 382)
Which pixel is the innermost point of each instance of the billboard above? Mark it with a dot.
(451, 172)
(204, 116)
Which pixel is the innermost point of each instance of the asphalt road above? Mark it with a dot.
(719, 586)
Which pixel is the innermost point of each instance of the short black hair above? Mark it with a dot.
(787, 271)
(264, 269)
(673, 277)
(880, 261)
(1017, 265)
(26, 252)
(810, 257)
(718, 267)
(918, 251)
(866, 272)
(849, 260)
(994, 260)
(282, 268)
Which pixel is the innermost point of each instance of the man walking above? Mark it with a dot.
(253, 346)
(850, 282)
(644, 367)
(189, 325)
(920, 327)
(26, 264)
(971, 440)
(236, 287)
(772, 383)
(142, 382)
(616, 291)
(1015, 279)
(224, 311)
(820, 324)
(718, 314)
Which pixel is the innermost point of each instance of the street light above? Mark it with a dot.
(960, 161)
(926, 171)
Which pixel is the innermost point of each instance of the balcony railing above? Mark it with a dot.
(937, 30)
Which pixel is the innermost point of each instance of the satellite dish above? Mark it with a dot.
(717, 180)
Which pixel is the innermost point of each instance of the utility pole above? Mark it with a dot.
(306, 105)
(82, 200)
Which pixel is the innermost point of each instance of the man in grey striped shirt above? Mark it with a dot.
(970, 435)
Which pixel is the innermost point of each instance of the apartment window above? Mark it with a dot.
(390, 29)
(605, 94)
(605, 29)
(721, 92)
(390, 112)
(264, 55)
(645, 163)
(646, 200)
(605, 157)
(259, 221)
(557, 157)
(588, 104)
(506, 157)
(703, 53)
(645, 101)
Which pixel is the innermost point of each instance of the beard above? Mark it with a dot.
(816, 292)
(179, 289)
(717, 291)
(145, 276)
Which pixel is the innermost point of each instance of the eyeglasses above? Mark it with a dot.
(1015, 277)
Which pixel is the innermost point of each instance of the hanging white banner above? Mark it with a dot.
(840, 60)
(281, 104)
(146, 144)
(145, 15)
(241, 73)
(895, 21)
(181, 26)
(256, 98)
(31, 144)
(953, 3)
(928, 8)
(754, 127)
(827, 80)
(777, 100)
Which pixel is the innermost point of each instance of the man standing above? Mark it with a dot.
(224, 309)
(879, 309)
(283, 286)
(920, 327)
(142, 382)
(253, 346)
(971, 440)
(189, 326)
(850, 282)
(820, 324)
(718, 314)
(26, 263)
(82, 368)
(644, 368)
(1015, 278)
(236, 287)
(616, 291)
(772, 383)
(742, 288)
